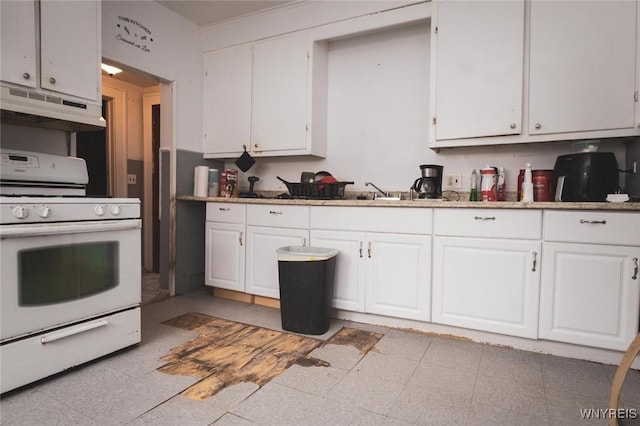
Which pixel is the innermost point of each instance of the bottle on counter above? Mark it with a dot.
(527, 185)
(473, 193)
(501, 183)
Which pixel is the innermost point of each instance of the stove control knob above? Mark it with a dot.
(116, 210)
(99, 210)
(44, 212)
(20, 212)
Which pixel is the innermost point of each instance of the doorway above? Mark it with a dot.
(92, 147)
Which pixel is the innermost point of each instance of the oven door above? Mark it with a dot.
(55, 274)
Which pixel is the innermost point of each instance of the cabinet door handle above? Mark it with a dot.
(538, 126)
(240, 238)
(535, 261)
(304, 242)
(274, 212)
(635, 269)
(52, 80)
(224, 209)
(369, 250)
(360, 249)
(513, 125)
(484, 217)
(595, 222)
(26, 76)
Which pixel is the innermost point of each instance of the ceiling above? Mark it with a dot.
(207, 12)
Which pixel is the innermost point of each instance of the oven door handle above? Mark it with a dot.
(46, 229)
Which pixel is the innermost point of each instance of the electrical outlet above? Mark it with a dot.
(131, 179)
(452, 182)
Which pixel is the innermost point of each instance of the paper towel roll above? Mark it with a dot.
(200, 181)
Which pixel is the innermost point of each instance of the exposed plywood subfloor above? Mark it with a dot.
(227, 352)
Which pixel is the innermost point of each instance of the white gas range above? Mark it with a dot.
(70, 283)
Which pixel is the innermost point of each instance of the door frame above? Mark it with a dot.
(148, 100)
(116, 136)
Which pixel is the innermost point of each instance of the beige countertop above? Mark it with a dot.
(423, 203)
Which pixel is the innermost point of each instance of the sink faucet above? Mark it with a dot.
(384, 194)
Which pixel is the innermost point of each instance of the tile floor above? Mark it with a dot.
(408, 378)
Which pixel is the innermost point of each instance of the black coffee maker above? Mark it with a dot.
(430, 184)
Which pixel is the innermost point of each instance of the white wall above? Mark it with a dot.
(171, 51)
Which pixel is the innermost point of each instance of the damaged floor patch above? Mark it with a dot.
(227, 352)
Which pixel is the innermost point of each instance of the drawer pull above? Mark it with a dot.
(635, 269)
(274, 212)
(485, 218)
(240, 238)
(535, 261)
(595, 222)
(360, 249)
(224, 209)
(72, 331)
(304, 242)
(369, 250)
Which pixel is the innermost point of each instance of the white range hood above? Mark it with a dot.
(30, 107)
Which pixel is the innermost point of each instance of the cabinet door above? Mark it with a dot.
(225, 253)
(582, 66)
(589, 295)
(262, 258)
(227, 102)
(487, 284)
(478, 74)
(70, 49)
(349, 285)
(18, 42)
(398, 275)
(279, 108)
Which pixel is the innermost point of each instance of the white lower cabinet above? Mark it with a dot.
(349, 280)
(262, 258)
(487, 284)
(398, 275)
(225, 253)
(270, 227)
(384, 258)
(486, 270)
(590, 292)
(379, 273)
(225, 246)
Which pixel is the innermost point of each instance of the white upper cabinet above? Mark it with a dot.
(280, 94)
(69, 59)
(266, 97)
(582, 72)
(227, 100)
(70, 48)
(524, 71)
(477, 80)
(18, 42)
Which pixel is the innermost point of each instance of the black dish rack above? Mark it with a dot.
(316, 190)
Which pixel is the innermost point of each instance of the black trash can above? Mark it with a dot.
(306, 277)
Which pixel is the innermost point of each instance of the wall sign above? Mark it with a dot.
(134, 33)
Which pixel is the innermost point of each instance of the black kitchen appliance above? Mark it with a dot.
(585, 176)
(430, 184)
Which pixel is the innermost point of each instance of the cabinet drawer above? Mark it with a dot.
(592, 227)
(226, 212)
(278, 216)
(492, 223)
(374, 219)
